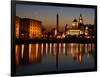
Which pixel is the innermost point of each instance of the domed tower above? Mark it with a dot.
(81, 19)
(75, 23)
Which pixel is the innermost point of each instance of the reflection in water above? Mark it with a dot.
(17, 54)
(22, 50)
(46, 48)
(42, 49)
(54, 57)
(33, 53)
(50, 48)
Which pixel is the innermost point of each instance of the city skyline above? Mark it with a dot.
(47, 14)
(54, 38)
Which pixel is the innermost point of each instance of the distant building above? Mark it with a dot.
(92, 29)
(28, 28)
(44, 33)
(74, 29)
(81, 19)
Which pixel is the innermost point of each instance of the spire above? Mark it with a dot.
(75, 20)
(80, 15)
(57, 23)
(80, 19)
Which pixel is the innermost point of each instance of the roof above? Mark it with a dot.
(75, 20)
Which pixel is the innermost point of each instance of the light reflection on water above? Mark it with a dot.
(63, 55)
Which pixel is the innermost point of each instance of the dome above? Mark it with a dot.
(75, 20)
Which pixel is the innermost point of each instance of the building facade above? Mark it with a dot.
(28, 28)
(35, 29)
(75, 29)
(17, 27)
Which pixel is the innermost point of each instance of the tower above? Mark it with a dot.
(57, 23)
(75, 23)
(81, 19)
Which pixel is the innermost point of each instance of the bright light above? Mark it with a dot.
(63, 35)
(73, 32)
(55, 32)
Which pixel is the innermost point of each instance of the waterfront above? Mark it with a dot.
(49, 57)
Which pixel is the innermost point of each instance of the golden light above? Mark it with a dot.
(86, 28)
(17, 54)
(58, 36)
(63, 35)
(35, 29)
(73, 24)
(81, 32)
(80, 58)
(22, 51)
(73, 32)
(17, 27)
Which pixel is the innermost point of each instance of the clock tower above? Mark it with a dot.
(81, 19)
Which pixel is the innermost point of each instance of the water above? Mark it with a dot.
(48, 57)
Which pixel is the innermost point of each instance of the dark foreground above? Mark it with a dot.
(56, 40)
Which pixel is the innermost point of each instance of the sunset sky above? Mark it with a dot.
(47, 14)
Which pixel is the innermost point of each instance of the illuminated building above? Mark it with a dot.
(81, 19)
(86, 30)
(17, 27)
(24, 28)
(74, 28)
(28, 28)
(35, 30)
(54, 32)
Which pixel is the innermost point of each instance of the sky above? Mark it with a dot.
(47, 14)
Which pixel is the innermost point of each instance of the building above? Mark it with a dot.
(74, 28)
(17, 27)
(24, 28)
(80, 19)
(35, 29)
(28, 28)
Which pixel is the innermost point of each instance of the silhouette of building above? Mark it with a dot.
(57, 23)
